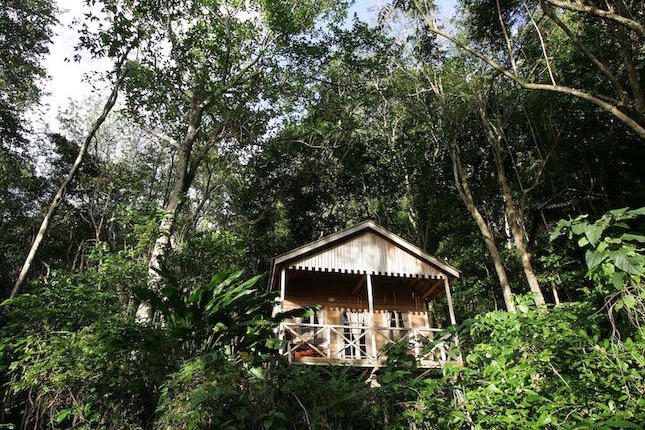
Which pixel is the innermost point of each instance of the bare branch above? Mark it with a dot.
(162, 136)
(508, 40)
(602, 13)
(597, 100)
(575, 39)
(546, 56)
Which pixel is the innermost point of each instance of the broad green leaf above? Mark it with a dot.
(627, 264)
(633, 237)
(622, 424)
(618, 280)
(593, 233)
(637, 212)
(579, 228)
(617, 213)
(594, 258)
(629, 301)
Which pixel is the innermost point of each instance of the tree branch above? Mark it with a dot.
(576, 40)
(602, 13)
(597, 100)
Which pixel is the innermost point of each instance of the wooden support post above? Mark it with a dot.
(370, 301)
(283, 288)
(453, 320)
(451, 310)
(430, 319)
(556, 297)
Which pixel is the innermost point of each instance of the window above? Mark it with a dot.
(397, 323)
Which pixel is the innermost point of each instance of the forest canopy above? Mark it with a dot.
(505, 137)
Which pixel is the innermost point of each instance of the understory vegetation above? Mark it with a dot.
(136, 235)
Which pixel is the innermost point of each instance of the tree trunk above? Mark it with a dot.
(464, 192)
(517, 225)
(58, 197)
(183, 179)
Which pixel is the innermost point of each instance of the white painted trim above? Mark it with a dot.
(451, 310)
(283, 286)
(370, 302)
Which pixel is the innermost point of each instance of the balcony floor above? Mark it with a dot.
(367, 362)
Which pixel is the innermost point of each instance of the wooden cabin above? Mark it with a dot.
(373, 288)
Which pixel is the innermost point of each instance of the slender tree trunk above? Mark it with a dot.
(464, 192)
(183, 179)
(632, 73)
(58, 197)
(517, 225)
(191, 222)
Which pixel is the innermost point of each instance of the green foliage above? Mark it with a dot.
(206, 252)
(208, 392)
(327, 398)
(25, 33)
(69, 357)
(227, 316)
(66, 302)
(535, 369)
(104, 375)
(615, 260)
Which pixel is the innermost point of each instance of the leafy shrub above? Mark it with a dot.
(539, 368)
(210, 392)
(206, 252)
(227, 315)
(327, 398)
(615, 262)
(105, 376)
(67, 302)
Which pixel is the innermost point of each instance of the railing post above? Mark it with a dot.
(283, 287)
(416, 343)
(289, 353)
(280, 337)
(328, 341)
(370, 301)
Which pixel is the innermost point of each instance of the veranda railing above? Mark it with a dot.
(338, 343)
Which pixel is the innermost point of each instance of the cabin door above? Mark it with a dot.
(354, 332)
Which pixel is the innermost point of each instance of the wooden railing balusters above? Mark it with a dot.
(318, 340)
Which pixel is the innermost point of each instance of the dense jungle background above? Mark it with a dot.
(507, 139)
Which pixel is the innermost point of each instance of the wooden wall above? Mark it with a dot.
(339, 292)
(368, 253)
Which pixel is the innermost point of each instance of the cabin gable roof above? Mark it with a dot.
(365, 248)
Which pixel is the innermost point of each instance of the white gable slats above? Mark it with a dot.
(368, 253)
